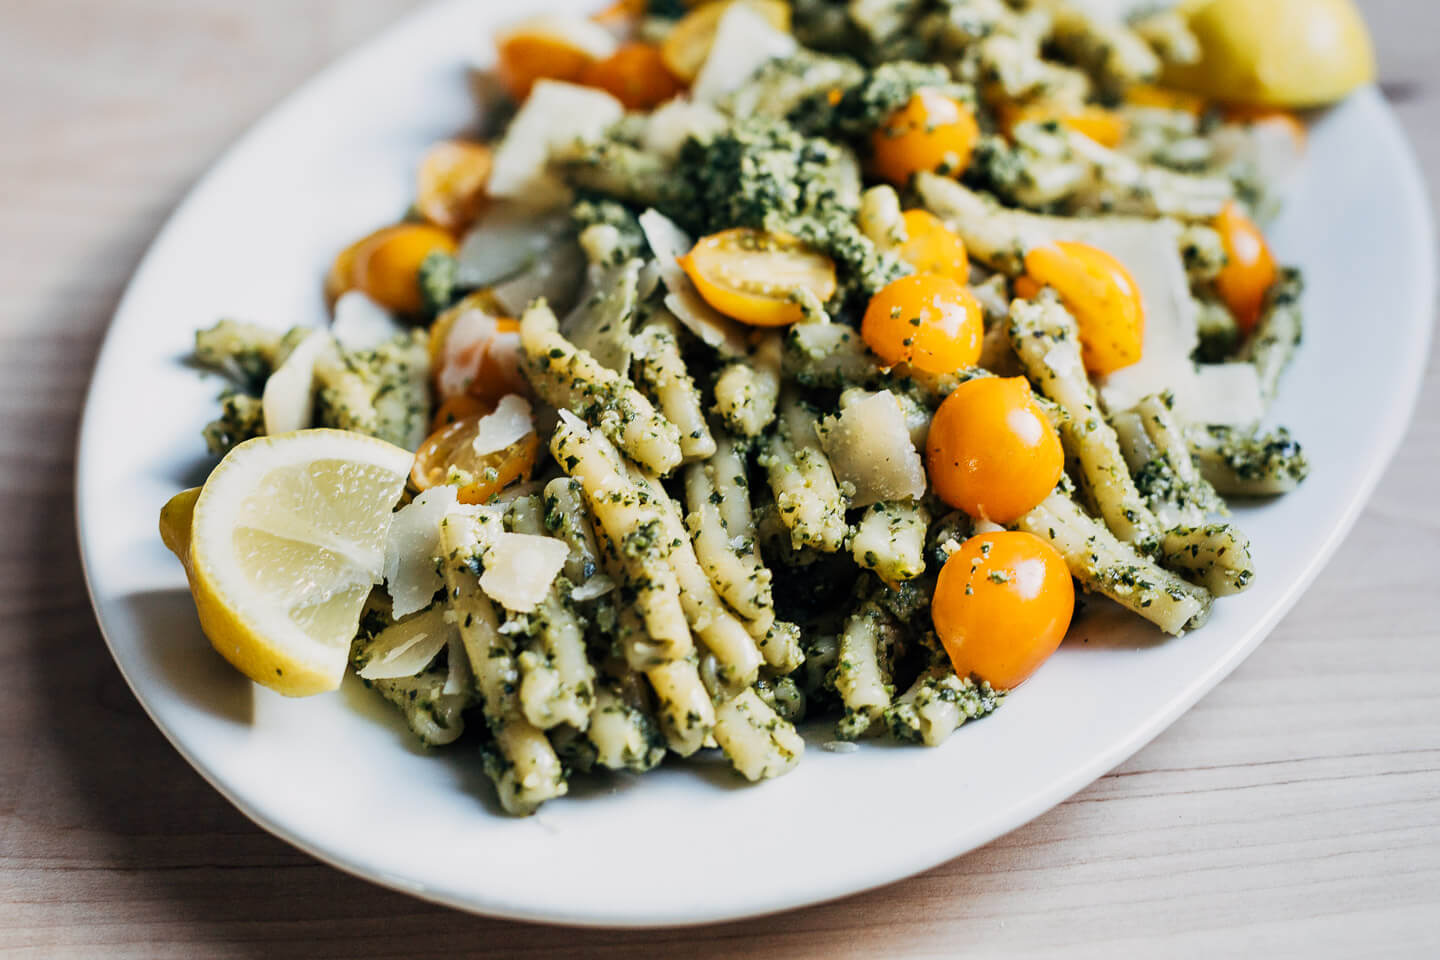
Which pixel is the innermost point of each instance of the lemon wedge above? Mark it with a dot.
(1276, 53)
(283, 545)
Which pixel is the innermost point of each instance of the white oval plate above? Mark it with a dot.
(339, 777)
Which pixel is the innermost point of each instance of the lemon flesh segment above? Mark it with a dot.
(1277, 53)
(286, 542)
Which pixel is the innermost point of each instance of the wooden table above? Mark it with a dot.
(1294, 812)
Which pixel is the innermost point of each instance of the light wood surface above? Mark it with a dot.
(1294, 812)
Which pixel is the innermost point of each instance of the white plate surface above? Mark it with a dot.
(339, 776)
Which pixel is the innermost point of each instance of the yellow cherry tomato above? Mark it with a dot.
(635, 75)
(453, 446)
(1105, 127)
(1100, 293)
(458, 407)
(452, 178)
(386, 265)
(688, 43)
(932, 132)
(1164, 98)
(991, 450)
(1279, 53)
(1250, 269)
(482, 300)
(548, 48)
(926, 320)
(1003, 603)
(932, 247)
(752, 275)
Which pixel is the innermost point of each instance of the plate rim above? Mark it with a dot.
(1401, 409)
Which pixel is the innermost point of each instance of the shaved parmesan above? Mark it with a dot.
(508, 238)
(520, 569)
(668, 242)
(362, 324)
(597, 586)
(556, 277)
(404, 649)
(411, 546)
(744, 42)
(869, 447)
(554, 117)
(288, 402)
(510, 421)
(1225, 393)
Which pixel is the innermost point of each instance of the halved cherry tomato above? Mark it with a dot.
(635, 75)
(932, 132)
(620, 14)
(1250, 270)
(386, 265)
(751, 275)
(474, 350)
(1002, 605)
(1105, 127)
(926, 320)
(549, 48)
(453, 447)
(991, 450)
(1100, 293)
(688, 43)
(1165, 98)
(452, 178)
(932, 247)
(458, 407)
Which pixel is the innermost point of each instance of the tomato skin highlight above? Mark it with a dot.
(931, 133)
(1250, 271)
(992, 451)
(926, 320)
(932, 247)
(1003, 602)
(1099, 292)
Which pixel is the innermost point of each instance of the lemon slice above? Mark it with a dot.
(1276, 53)
(283, 545)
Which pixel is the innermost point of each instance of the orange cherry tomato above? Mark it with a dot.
(475, 351)
(932, 247)
(621, 14)
(1002, 604)
(1165, 98)
(932, 132)
(452, 446)
(1100, 293)
(386, 265)
(452, 179)
(752, 275)
(1105, 127)
(926, 320)
(1249, 272)
(991, 450)
(528, 55)
(458, 407)
(635, 75)
(687, 45)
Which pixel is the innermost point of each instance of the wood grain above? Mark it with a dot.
(1294, 812)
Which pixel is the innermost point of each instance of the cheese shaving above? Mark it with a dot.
(520, 569)
(510, 422)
